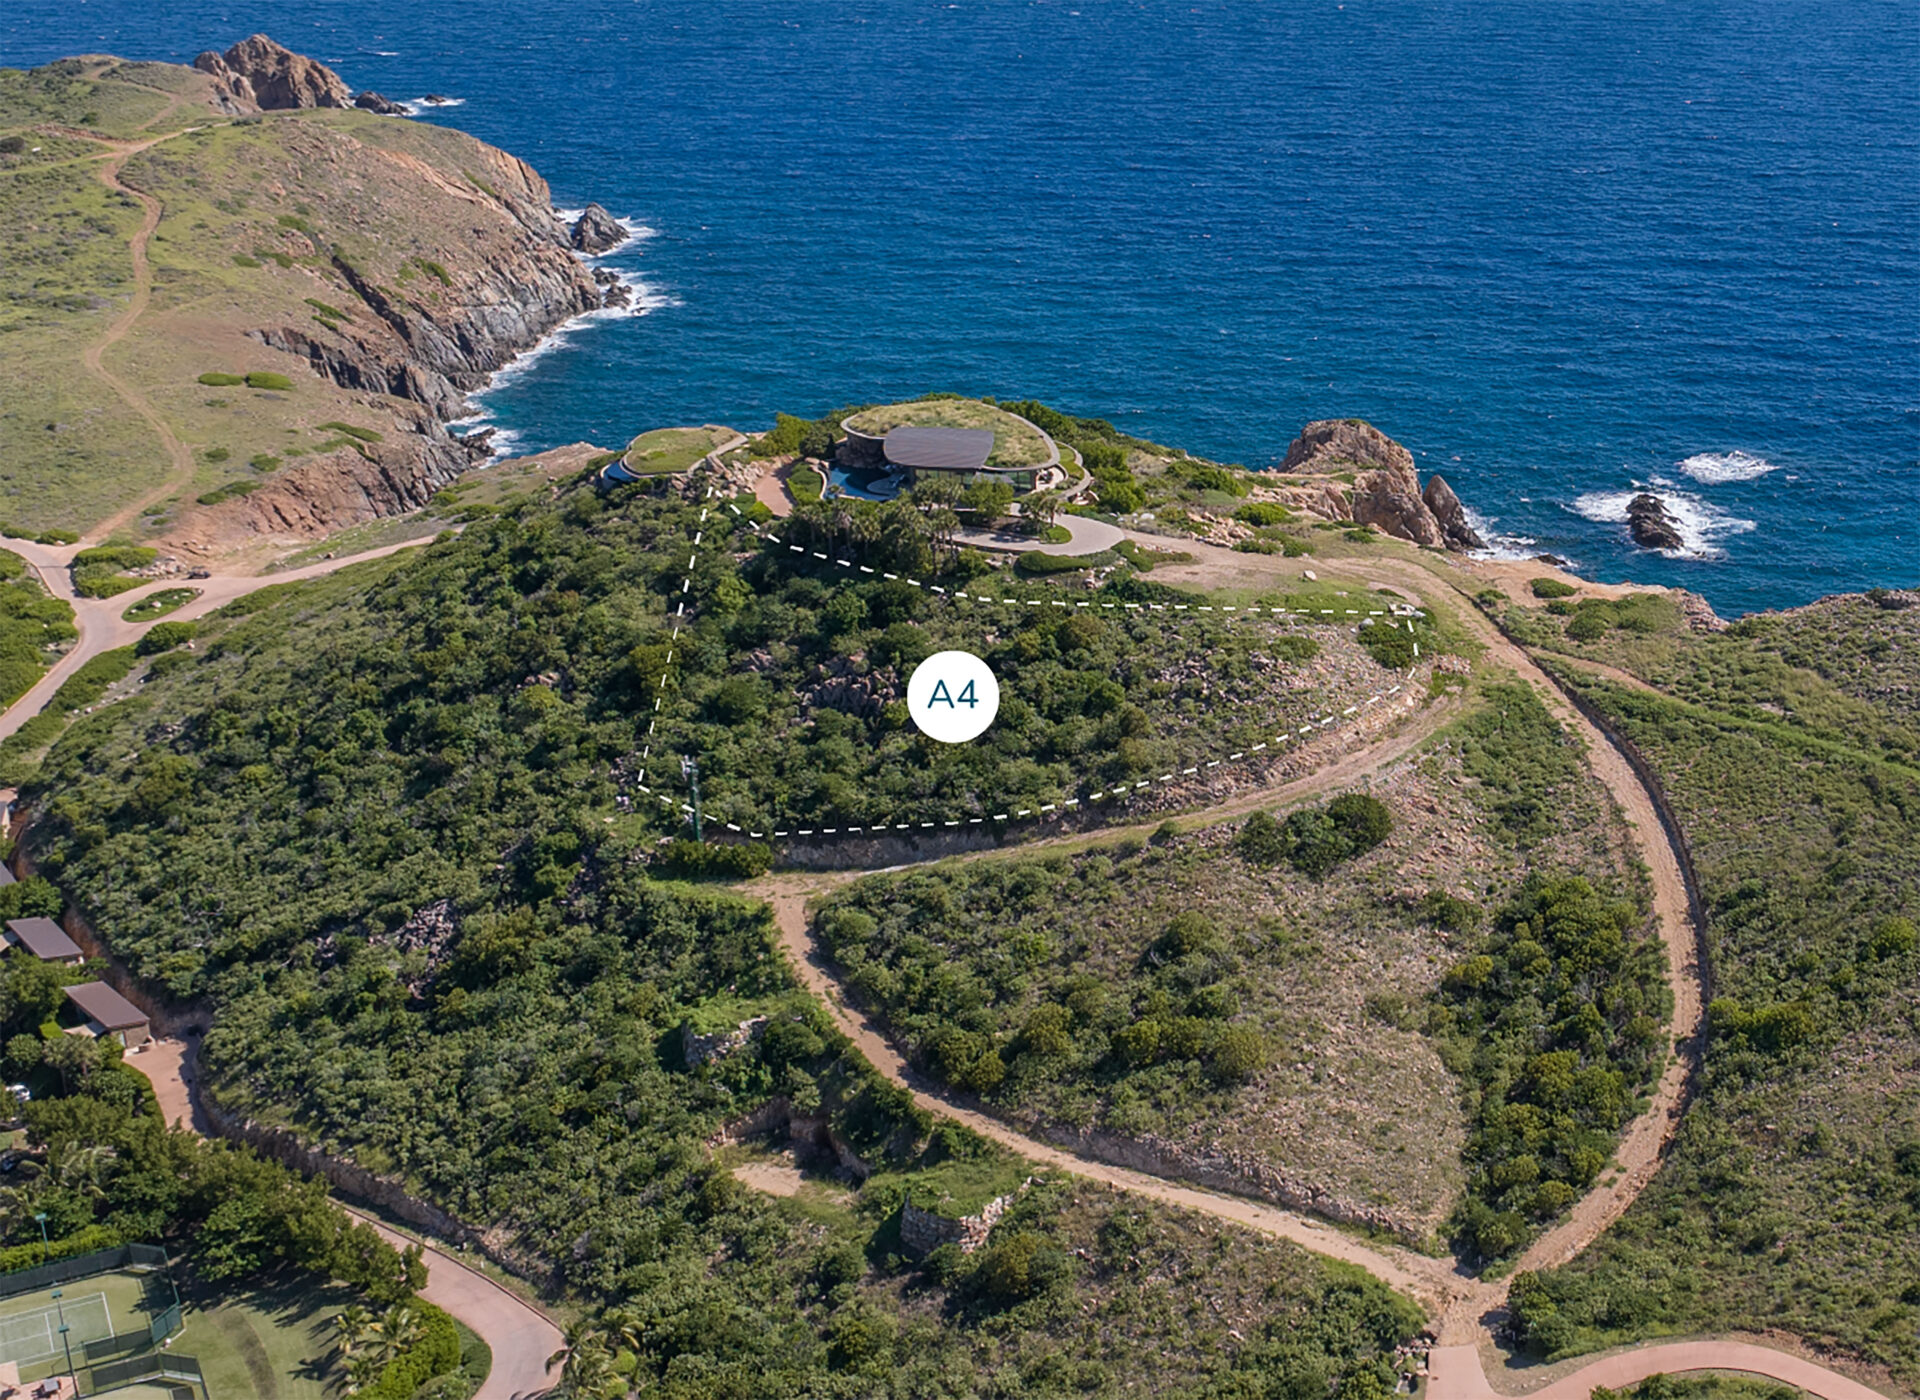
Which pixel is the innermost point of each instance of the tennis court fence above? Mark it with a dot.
(101, 1261)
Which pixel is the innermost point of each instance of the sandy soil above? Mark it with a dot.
(776, 1178)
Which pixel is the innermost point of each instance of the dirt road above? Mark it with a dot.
(1463, 1304)
(99, 619)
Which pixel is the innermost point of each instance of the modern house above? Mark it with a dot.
(109, 1013)
(45, 939)
(962, 450)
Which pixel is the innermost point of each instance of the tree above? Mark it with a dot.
(1044, 506)
(986, 499)
(586, 1366)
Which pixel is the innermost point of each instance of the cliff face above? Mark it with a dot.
(420, 262)
(1386, 491)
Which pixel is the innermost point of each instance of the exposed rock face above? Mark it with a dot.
(371, 101)
(1337, 444)
(597, 231)
(1451, 515)
(1386, 490)
(273, 78)
(1389, 500)
(1650, 525)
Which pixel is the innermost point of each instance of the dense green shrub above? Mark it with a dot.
(98, 572)
(1263, 513)
(435, 1353)
(358, 434)
(1393, 644)
(266, 379)
(1037, 563)
(230, 491)
(1552, 588)
(214, 379)
(703, 860)
(1314, 839)
(1557, 1022)
(163, 636)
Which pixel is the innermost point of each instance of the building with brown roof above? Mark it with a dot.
(109, 1013)
(43, 938)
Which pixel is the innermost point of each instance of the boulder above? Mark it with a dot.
(1450, 515)
(597, 231)
(1650, 525)
(1390, 502)
(1345, 444)
(371, 101)
(272, 77)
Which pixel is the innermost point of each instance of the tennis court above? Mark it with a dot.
(31, 1333)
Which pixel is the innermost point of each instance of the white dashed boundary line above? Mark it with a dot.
(1119, 793)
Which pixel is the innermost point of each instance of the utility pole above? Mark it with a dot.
(690, 770)
(65, 1340)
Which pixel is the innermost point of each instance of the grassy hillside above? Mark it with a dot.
(1792, 1198)
(285, 222)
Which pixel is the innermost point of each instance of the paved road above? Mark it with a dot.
(522, 1337)
(1089, 537)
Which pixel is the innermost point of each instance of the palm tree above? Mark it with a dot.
(586, 1367)
(350, 1328)
(1044, 506)
(80, 1168)
(397, 1330)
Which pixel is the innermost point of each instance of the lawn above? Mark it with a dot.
(270, 1343)
(1016, 442)
(664, 451)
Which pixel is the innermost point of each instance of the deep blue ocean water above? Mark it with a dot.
(1559, 249)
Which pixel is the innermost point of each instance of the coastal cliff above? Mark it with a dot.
(323, 286)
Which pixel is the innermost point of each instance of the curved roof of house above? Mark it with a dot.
(940, 449)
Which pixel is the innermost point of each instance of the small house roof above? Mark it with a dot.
(43, 938)
(103, 1004)
(940, 449)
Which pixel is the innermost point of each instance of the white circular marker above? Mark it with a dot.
(953, 696)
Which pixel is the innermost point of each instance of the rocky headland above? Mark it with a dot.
(1385, 493)
(383, 269)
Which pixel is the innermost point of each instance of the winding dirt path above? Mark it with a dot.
(1466, 1306)
(179, 455)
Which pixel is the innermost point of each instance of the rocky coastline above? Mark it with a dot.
(504, 272)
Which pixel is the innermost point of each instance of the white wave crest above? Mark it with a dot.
(420, 105)
(1499, 544)
(643, 298)
(1713, 468)
(1700, 525)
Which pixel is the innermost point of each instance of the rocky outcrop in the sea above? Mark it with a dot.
(371, 101)
(258, 72)
(596, 231)
(1450, 515)
(1386, 492)
(1650, 524)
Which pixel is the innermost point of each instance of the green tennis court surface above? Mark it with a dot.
(30, 1326)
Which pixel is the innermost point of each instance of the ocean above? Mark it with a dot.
(1563, 251)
